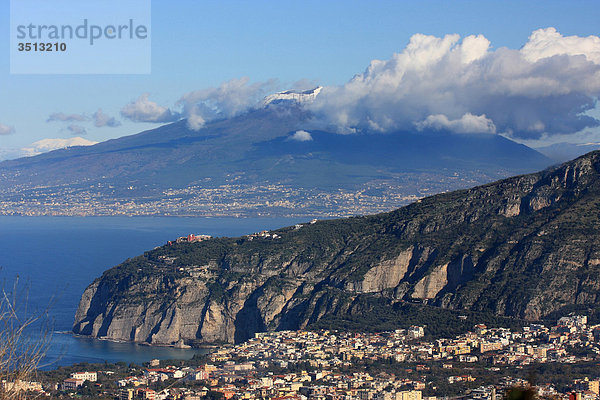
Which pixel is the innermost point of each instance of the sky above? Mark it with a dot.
(440, 60)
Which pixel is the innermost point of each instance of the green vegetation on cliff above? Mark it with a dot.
(526, 247)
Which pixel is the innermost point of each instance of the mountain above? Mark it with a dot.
(525, 247)
(561, 152)
(303, 97)
(256, 164)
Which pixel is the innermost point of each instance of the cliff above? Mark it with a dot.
(525, 247)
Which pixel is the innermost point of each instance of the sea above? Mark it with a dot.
(47, 262)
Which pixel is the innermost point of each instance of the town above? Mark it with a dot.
(559, 361)
(232, 199)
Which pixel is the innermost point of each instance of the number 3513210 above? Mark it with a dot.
(42, 46)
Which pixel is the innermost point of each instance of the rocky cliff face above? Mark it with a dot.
(527, 246)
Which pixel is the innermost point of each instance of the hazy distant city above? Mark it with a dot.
(277, 199)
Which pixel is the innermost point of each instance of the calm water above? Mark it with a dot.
(55, 258)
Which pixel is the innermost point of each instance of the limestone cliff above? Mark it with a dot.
(527, 247)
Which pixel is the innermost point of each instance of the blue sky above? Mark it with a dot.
(200, 44)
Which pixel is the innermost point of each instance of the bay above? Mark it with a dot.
(55, 258)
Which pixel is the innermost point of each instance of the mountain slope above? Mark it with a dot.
(561, 152)
(527, 247)
(241, 158)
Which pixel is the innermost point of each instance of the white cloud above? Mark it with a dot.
(6, 130)
(231, 98)
(545, 88)
(45, 145)
(468, 123)
(548, 42)
(301, 136)
(76, 129)
(101, 120)
(144, 110)
(67, 117)
(194, 120)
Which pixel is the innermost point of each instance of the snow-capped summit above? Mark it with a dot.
(306, 96)
(45, 145)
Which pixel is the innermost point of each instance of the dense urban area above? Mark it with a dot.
(559, 361)
(231, 199)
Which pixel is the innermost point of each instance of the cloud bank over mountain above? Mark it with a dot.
(547, 87)
(544, 88)
(231, 98)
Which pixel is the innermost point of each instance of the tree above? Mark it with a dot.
(214, 395)
(20, 349)
(520, 393)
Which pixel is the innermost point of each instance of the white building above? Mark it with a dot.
(85, 376)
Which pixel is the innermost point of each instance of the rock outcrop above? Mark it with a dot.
(527, 247)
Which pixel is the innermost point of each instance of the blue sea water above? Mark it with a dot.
(55, 258)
